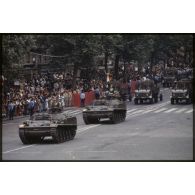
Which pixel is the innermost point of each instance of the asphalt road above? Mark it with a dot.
(158, 131)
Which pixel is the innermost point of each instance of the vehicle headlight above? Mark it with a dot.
(21, 126)
(150, 96)
(84, 110)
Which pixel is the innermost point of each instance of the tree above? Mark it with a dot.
(14, 47)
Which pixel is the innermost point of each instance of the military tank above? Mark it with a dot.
(60, 126)
(113, 109)
(182, 91)
(147, 91)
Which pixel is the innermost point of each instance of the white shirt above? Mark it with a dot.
(82, 96)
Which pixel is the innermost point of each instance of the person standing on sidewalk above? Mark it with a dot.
(82, 98)
(31, 107)
(97, 93)
(11, 110)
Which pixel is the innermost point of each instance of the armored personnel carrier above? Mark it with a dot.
(169, 77)
(147, 91)
(182, 91)
(114, 109)
(60, 126)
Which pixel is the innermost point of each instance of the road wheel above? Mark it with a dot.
(161, 97)
(141, 101)
(123, 115)
(151, 101)
(86, 120)
(95, 120)
(73, 132)
(36, 139)
(177, 101)
(56, 136)
(25, 139)
(156, 99)
(114, 118)
(172, 101)
(136, 101)
(188, 101)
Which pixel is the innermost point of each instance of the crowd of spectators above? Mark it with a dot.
(45, 90)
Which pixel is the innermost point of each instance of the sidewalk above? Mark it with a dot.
(23, 116)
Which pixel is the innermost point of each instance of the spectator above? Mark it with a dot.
(11, 110)
(82, 98)
(31, 107)
(97, 93)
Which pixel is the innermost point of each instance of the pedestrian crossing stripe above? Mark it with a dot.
(181, 110)
(132, 110)
(160, 110)
(170, 110)
(138, 111)
(147, 111)
(166, 110)
(189, 111)
(141, 111)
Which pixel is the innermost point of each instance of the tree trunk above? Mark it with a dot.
(75, 71)
(106, 62)
(125, 72)
(116, 64)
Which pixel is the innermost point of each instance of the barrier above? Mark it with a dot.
(133, 87)
(70, 100)
(89, 97)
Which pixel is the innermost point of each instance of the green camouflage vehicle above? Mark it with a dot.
(114, 109)
(169, 77)
(147, 91)
(60, 127)
(182, 91)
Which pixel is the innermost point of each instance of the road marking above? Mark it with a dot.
(86, 128)
(18, 149)
(73, 111)
(147, 111)
(160, 110)
(170, 110)
(181, 110)
(78, 131)
(132, 110)
(94, 151)
(138, 111)
(189, 111)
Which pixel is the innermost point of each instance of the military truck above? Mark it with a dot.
(183, 74)
(113, 109)
(60, 127)
(169, 76)
(182, 91)
(147, 91)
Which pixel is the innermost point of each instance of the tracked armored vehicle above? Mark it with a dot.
(182, 91)
(147, 91)
(113, 109)
(60, 126)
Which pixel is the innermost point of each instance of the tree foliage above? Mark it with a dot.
(82, 49)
